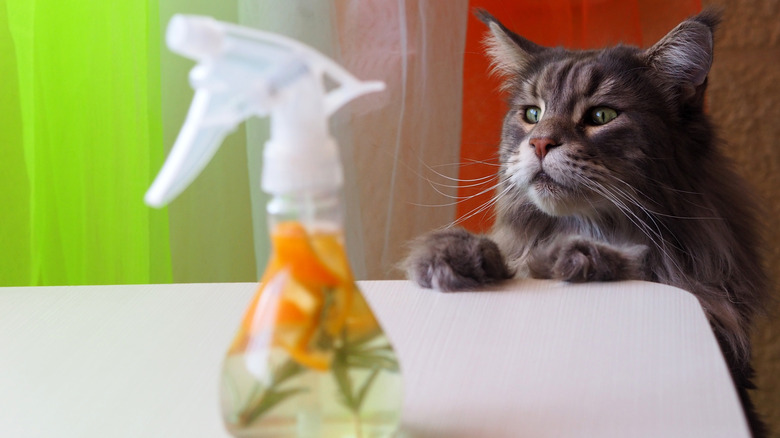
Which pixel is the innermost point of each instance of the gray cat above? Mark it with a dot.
(611, 170)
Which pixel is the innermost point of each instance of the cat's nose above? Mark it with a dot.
(542, 145)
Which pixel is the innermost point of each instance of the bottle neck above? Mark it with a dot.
(320, 210)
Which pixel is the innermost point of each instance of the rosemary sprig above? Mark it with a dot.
(360, 355)
(372, 362)
(270, 398)
(344, 383)
(361, 394)
(256, 406)
(289, 369)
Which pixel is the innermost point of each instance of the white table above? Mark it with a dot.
(526, 359)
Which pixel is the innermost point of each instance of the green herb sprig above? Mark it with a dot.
(259, 402)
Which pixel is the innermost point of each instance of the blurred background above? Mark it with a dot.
(91, 101)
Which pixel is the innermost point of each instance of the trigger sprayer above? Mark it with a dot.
(309, 357)
(243, 72)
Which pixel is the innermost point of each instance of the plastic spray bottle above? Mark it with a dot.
(309, 358)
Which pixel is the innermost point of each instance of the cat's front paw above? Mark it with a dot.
(455, 259)
(579, 260)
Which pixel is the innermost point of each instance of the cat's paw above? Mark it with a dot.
(454, 259)
(579, 260)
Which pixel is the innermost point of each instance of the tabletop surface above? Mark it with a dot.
(527, 358)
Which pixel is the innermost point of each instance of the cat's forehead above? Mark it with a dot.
(575, 76)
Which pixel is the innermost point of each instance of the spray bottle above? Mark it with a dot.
(309, 358)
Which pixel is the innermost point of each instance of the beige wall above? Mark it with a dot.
(744, 100)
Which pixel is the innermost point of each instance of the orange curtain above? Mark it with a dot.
(569, 23)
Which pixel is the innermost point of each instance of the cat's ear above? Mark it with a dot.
(684, 55)
(509, 52)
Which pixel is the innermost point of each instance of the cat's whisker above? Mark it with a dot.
(481, 209)
(459, 165)
(631, 197)
(641, 226)
(485, 206)
(657, 238)
(632, 189)
(458, 199)
(651, 215)
(491, 188)
(456, 186)
(469, 162)
(633, 201)
(459, 180)
(449, 204)
(477, 181)
(657, 213)
(620, 203)
(653, 235)
(668, 188)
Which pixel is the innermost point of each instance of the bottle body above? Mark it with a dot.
(310, 358)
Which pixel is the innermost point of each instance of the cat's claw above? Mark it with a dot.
(579, 260)
(455, 259)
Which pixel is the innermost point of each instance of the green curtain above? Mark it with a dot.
(91, 100)
(81, 137)
(15, 267)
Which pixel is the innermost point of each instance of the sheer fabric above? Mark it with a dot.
(211, 236)
(388, 138)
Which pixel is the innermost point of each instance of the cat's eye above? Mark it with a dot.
(533, 114)
(601, 115)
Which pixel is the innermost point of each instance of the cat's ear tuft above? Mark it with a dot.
(508, 51)
(684, 55)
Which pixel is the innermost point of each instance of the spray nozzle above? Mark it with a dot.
(244, 72)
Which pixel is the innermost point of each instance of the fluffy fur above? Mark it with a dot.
(646, 196)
